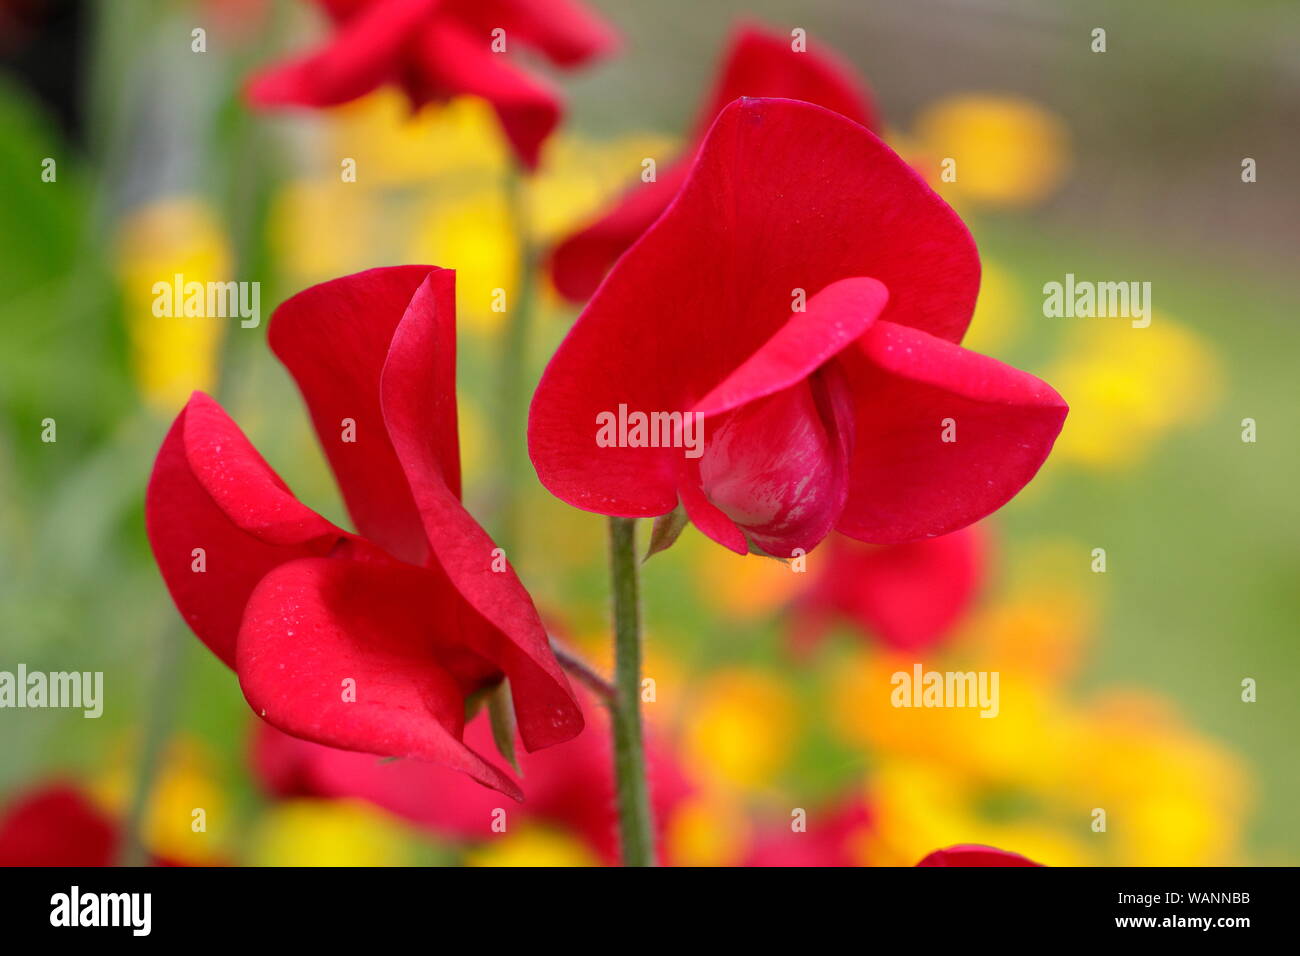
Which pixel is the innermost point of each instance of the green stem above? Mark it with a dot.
(635, 827)
(514, 390)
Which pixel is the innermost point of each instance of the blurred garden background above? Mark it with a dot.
(1121, 690)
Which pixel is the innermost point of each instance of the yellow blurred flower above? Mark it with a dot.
(1008, 151)
(1126, 387)
(393, 147)
(329, 833)
(741, 728)
(188, 815)
(999, 311)
(1172, 797)
(171, 355)
(1032, 778)
(532, 846)
(918, 808)
(745, 587)
(989, 749)
(709, 828)
(475, 235)
(307, 232)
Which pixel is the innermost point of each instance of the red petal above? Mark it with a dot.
(458, 62)
(313, 624)
(783, 196)
(973, 854)
(334, 339)
(418, 390)
(832, 319)
(757, 63)
(210, 489)
(364, 52)
(778, 466)
(908, 596)
(906, 482)
(570, 785)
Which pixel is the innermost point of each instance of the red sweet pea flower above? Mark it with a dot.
(410, 614)
(834, 417)
(974, 854)
(907, 596)
(757, 63)
(569, 786)
(436, 49)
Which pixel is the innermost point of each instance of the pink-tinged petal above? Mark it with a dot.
(973, 854)
(418, 394)
(757, 63)
(907, 596)
(456, 61)
(364, 52)
(778, 466)
(56, 825)
(566, 32)
(334, 339)
(831, 320)
(210, 489)
(783, 196)
(313, 625)
(912, 391)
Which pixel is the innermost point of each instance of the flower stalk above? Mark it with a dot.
(635, 827)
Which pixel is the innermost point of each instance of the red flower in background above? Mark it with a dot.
(570, 785)
(829, 418)
(757, 63)
(410, 613)
(56, 825)
(828, 841)
(907, 596)
(974, 854)
(436, 49)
